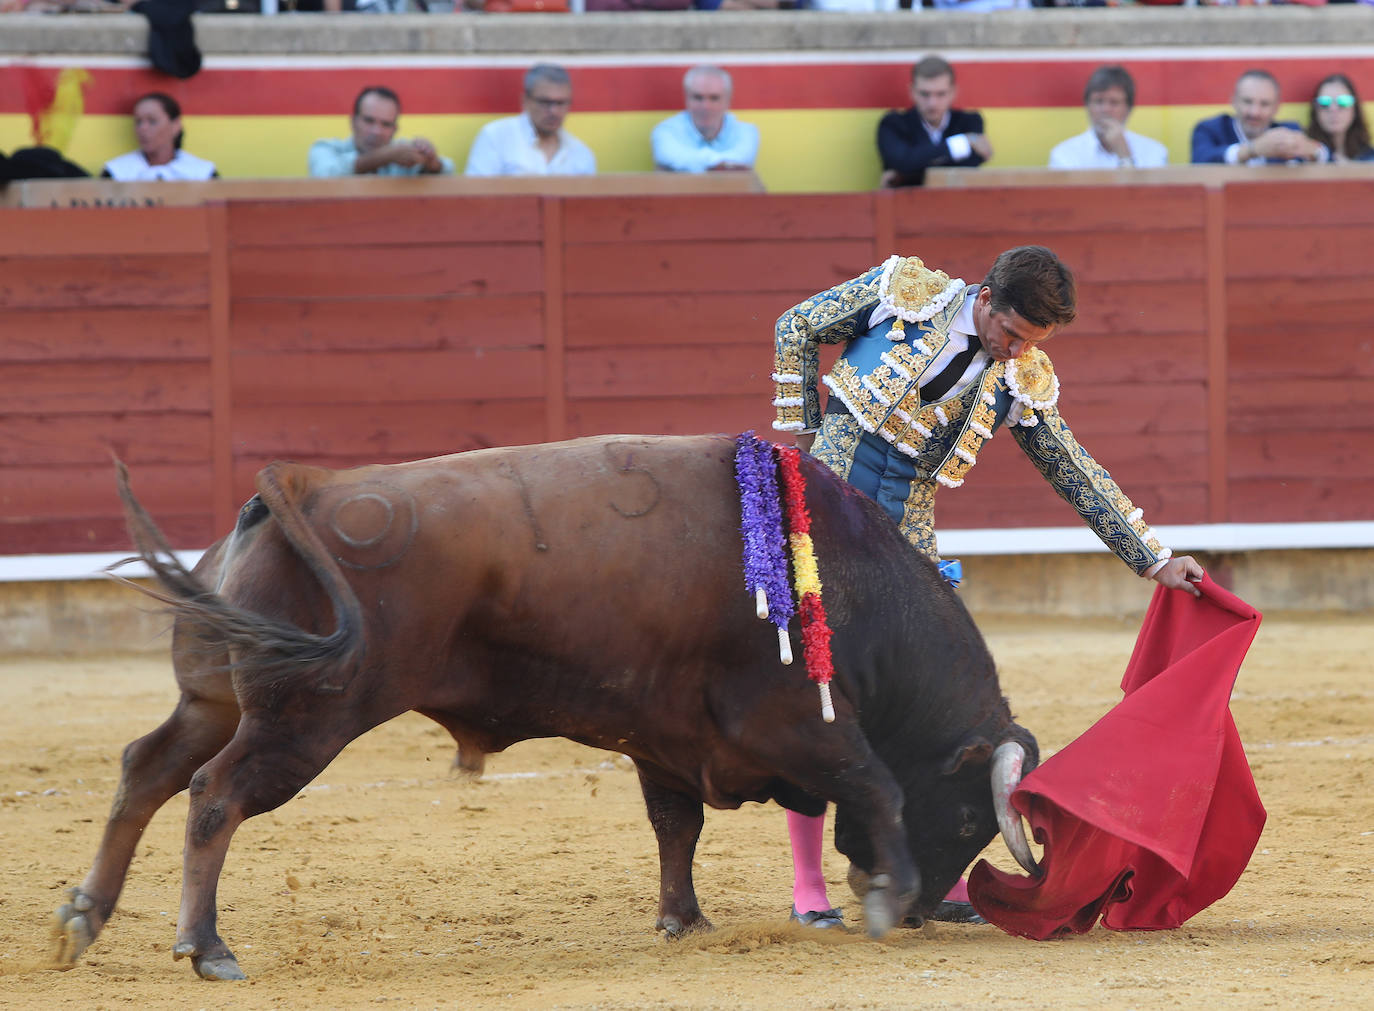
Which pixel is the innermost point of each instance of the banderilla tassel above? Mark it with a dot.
(761, 603)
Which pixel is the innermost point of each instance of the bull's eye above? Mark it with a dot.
(968, 822)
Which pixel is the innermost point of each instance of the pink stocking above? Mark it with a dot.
(808, 881)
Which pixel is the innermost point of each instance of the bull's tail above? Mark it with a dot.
(267, 645)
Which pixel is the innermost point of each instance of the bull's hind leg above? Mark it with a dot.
(266, 764)
(677, 820)
(155, 768)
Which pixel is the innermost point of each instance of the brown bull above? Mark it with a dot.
(589, 590)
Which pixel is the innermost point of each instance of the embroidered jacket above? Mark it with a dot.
(878, 379)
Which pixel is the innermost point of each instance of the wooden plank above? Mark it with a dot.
(1049, 210)
(1136, 463)
(1140, 307)
(385, 271)
(1085, 359)
(318, 433)
(1093, 256)
(555, 392)
(1308, 204)
(1151, 410)
(614, 320)
(221, 393)
(400, 221)
(392, 378)
(102, 231)
(673, 415)
(136, 438)
(104, 387)
(1218, 444)
(412, 324)
(1321, 499)
(1302, 455)
(1279, 404)
(985, 507)
(1342, 307)
(57, 282)
(1297, 252)
(90, 334)
(86, 194)
(81, 490)
(44, 535)
(702, 370)
(718, 218)
(658, 267)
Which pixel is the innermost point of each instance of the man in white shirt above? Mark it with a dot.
(374, 149)
(1109, 97)
(534, 142)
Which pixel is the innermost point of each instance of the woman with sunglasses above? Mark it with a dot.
(1336, 119)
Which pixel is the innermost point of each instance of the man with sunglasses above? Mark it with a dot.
(534, 142)
(1251, 136)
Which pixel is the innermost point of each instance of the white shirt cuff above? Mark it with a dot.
(959, 146)
(1232, 155)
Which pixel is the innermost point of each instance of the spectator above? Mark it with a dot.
(706, 136)
(157, 125)
(373, 148)
(1335, 120)
(1251, 137)
(932, 132)
(534, 142)
(1109, 97)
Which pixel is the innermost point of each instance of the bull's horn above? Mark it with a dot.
(1006, 774)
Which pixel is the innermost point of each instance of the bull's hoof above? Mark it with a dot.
(224, 966)
(880, 912)
(73, 929)
(674, 928)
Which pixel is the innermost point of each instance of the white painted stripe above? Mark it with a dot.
(1202, 537)
(953, 543)
(61, 568)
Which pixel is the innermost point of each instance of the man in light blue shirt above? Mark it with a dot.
(705, 137)
(373, 149)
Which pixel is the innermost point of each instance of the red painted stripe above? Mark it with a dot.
(495, 90)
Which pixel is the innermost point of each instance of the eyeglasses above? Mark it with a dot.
(1327, 101)
(549, 103)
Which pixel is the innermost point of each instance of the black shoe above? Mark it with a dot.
(956, 912)
(822, 919)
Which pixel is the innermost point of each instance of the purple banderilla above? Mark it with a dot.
(765, 544)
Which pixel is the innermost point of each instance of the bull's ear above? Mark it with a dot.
(976, 750)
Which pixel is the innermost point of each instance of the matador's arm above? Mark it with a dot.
(835, 315)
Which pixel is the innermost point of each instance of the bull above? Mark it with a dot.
(590, 590)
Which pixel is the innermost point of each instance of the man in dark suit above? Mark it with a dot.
(932, 132)
(1251, 137)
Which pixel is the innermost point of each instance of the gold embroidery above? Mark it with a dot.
(914, 285)
(918, 518)
(837, 443)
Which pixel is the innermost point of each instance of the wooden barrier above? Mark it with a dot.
(1220, 366)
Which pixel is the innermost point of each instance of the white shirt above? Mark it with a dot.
(960, 147)
(134, 168)
(509, 147)
(1086, 152)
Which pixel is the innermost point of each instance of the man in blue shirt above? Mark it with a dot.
(705, 137)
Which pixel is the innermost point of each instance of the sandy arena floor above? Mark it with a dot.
(388, 882)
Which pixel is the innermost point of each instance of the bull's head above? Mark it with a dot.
(952, 811)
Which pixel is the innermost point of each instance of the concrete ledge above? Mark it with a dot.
(716, 32)
(99, 616)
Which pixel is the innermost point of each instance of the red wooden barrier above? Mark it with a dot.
(1221, 365)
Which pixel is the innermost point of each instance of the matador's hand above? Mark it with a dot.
(1180, 573)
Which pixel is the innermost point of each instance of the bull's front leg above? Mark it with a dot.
(677, 820)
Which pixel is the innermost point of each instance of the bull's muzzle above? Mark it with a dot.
(1007, 761)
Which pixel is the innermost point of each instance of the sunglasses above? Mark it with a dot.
(1327, 101)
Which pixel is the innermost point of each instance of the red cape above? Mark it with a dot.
(1152, 814)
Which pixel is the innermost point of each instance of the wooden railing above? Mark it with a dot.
(1221, 366)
